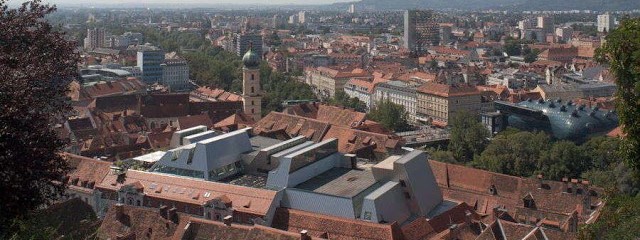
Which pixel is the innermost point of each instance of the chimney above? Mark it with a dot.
(586, 203)
(467, 218)
(227, 220)
(574, 186)
(497, 211)
(565, 183)
(540, 181)
(304, 235)
(454, 232)
(172, 215)
(585, 187)
(163, 211)
(119, 207)
(352, 160)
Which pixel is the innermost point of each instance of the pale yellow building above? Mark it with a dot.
(325, 81)
(437, 103)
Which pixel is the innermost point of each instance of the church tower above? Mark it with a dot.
(251, 91)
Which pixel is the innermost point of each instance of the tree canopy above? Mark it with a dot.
(621, 52)
(36, 67)
(468, 136)
(342, 99)
(514, 152)
(390, 115)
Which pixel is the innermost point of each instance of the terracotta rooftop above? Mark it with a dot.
(473, 187)
(86, 172)
(146, 223)
(175, 188)
(291, 125)
(117, 87)
(445, 90)
(190, 121)
(235, 121)
(334, 227)
(353, 140)
(340, 116)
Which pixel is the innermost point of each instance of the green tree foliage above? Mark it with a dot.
(215, 67)
(530, 55)
(588, 30)
(279, 87)
(390, 115)
(342, 99)
(602, 152)
(441, 155)
(564, 159)
(622, 52)
(514, 152)
(36, 67)
(468, 137)
(619, 219)
(174, 40)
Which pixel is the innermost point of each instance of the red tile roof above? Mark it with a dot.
(340, 116)
(334, 227)
(291, 125)
(353, 140)
(235, 121)
(472, 186)
(86, 172)
(445, 90)
(190, 121)
(258, 200)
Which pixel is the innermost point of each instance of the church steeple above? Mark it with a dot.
(251, 90)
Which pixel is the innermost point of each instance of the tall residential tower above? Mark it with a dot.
(420, 30)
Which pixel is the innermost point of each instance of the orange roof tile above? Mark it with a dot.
(334, 227)
(175, 187)
(445, 90)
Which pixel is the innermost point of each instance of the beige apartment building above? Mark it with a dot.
(438, 102)
(325, 81)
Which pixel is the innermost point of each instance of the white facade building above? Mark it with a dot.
(605, 23)
(175, 74)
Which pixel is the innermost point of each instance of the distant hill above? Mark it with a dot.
(604, 5)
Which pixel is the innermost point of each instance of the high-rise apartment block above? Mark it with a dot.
(302, 17)
(605, 23)
(246, 41)
(95, 38)
(149, 61)
(546, 24)
(420, 30)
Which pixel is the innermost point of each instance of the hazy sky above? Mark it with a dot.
(173, 2)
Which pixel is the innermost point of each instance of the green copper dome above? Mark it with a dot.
(251, 59)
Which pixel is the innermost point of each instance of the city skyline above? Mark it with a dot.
(188, 2)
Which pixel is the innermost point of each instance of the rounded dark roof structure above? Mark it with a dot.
(570, 121)
(251, 59)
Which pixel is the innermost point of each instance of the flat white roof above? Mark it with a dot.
(151, 157)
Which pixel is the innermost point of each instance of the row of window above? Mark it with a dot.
(224, 171)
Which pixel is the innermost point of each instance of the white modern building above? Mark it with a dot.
(175, 74)
(606, 23)
(302, 17)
